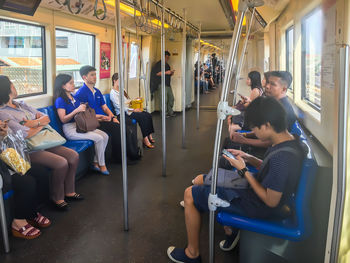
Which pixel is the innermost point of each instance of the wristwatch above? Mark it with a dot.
(242, 172)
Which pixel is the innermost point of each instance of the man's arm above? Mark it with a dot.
(270, 197)
(109, 113)
(238, 138)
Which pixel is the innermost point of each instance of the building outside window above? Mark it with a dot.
(22, 56)
(74, 50)
(312, 38)
(290, 52)
(133, 61)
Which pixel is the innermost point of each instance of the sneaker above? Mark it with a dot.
(173, 114)
(178, 255)
(230, 242)
(182, 203)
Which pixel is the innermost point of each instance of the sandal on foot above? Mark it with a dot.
(61, 206)
(151, 140)
(29, 235)
(39, 221)
(75, 197)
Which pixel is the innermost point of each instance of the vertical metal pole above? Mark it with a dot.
(198, 71)
(163, 92)
(5, 234)
(241, 60)
(230, 66)
(184, 82)
(343, 113)
(122, 112)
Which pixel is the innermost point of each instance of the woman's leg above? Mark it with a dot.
(59, 165)
(25, 200)
(99, 138)
(72, 157)
(144, 119)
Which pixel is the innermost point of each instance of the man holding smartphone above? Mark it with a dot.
(268, 192)
(156, 76)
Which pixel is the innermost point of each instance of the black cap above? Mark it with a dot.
(84, 70)
(167, 53)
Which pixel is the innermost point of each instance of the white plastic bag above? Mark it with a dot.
(13, 152)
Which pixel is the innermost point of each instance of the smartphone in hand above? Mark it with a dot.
(228, 154)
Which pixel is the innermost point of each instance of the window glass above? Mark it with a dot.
(312, 38)
(133, 60)
(289, 53)
(22, 56)
(74, 50)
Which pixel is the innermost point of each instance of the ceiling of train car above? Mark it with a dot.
(208, 12)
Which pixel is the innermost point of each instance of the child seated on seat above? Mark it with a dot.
(269, 190)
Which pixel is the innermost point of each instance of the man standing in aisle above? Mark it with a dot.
(156, 83)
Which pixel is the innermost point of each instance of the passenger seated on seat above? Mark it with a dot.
(26, 217)
(254, 82)
(62, 160)
(269, 190)
(203, 84)
(143, 118)
(67, 107)
(109, 123)
(277, 86)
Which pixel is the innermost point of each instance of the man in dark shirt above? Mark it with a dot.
(276, 86)
(156, 80)
(269, 190)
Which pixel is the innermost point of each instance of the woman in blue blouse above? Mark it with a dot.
(67, 107)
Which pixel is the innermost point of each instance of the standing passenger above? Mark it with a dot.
(67, 107)
(156, 78)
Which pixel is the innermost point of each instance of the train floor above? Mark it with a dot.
(92, 230)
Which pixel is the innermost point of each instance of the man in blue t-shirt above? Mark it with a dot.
(269, 190)
(108, 122)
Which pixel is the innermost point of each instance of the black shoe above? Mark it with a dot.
(230, 241)
(75, 197)
(61, 206)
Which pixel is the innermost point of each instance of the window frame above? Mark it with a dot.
(82, 33)
(43, 55)
(303, 60)
(286, 32)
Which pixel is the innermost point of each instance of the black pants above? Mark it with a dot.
(144, 119)
(113, 131)
(28, 189)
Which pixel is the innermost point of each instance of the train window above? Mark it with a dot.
(289, 52)
(74, 50)
(133, 60)
(312, 36)
(22, 56)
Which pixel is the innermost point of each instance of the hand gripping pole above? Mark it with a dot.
(242, 8)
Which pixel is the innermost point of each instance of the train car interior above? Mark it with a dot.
(114, 187)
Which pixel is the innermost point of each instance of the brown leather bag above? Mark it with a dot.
(86, 120)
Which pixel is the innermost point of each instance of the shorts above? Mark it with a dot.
(200, 194)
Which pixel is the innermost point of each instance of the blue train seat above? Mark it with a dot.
(295, 228)
(76, 145)
(107, 98)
